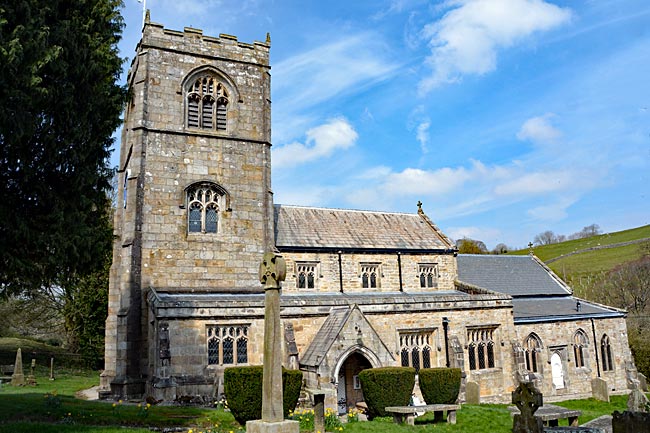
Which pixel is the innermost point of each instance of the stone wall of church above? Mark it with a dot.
(389, 266)
(558, 337)
(191, 374)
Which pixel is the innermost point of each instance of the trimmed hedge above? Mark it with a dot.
(243, 389)
(440, 385)
(386, 386)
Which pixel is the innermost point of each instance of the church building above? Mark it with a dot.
(363, 288)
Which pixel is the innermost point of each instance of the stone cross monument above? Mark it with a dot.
(273, 270)
(528, 399)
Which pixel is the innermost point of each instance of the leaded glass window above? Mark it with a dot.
(306, 274)
(606, 353)
(481, 348)
(532, 348)
(415, 348)
(227, 345)
(203, 204)
(580, 342)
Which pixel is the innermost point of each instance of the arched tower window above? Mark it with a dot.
(204, 202)
(580, 343)
(207, 104)
(532, 347)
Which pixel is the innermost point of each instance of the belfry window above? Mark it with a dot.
(580, 342)
(203, 205)
(207, 104)
(227, 345)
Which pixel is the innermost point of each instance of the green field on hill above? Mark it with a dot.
(580, 261)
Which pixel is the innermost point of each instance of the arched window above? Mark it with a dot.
(369, 275)
(606, 353)
(203, 95)
(580, 343)
(532, 347)
(203, 207)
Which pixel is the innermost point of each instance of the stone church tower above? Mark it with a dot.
(195, 211)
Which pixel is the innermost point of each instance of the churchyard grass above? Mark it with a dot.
(51, 406)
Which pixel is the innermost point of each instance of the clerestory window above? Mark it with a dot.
(227, 345)
(203, 206)
(370, 275)
(207, 104)
(428, 274)
(306, 275)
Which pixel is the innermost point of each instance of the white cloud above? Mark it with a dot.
(470, 232)
(466, 39)
(553, 212)
(541, 182)
(539, 130)
(422, 135)
(321, 141)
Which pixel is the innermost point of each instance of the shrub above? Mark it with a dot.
(243, 389)
(440, 385)
(386, 386)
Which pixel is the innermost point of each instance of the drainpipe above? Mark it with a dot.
(399, 268)
(593, 331)
(445, 326)
(340, 273)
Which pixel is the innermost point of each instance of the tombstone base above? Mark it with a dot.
(259, 426)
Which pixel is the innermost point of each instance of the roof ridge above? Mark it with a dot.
(278, 205)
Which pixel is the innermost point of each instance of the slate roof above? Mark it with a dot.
(319, 228)
(545, 309)
(512, 275)
(325, 336)
(538, 295)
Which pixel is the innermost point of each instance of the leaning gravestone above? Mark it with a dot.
(528, 399)
(630, 422)
(18, 378)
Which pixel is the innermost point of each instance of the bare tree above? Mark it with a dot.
(545, 238)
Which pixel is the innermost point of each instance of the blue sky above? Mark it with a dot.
(506, 118)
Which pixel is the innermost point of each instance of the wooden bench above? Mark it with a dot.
(402, 414)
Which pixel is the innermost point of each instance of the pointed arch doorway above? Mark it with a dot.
(348, 391)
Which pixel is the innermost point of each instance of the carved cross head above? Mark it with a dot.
(273, 270)
(527, 398)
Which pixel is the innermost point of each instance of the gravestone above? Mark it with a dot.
(600, 389)
(528, 399)
(31, 379)
(18, 378)
(637, 401)
(472, 393)
(273, 270)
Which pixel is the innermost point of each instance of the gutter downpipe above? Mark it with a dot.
(340, 273)
(593, 331)
(399, 268)
(445, 325)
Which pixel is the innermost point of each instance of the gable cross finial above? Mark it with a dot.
(530, 248)
(420, 211)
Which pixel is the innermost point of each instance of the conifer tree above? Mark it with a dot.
(60, 103)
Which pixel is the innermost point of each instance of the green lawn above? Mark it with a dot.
(51, 406)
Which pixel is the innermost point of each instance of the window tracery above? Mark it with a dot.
(207, 104)
(203, 206)
(580, 343)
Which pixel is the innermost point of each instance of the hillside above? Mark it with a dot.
(581, 261)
